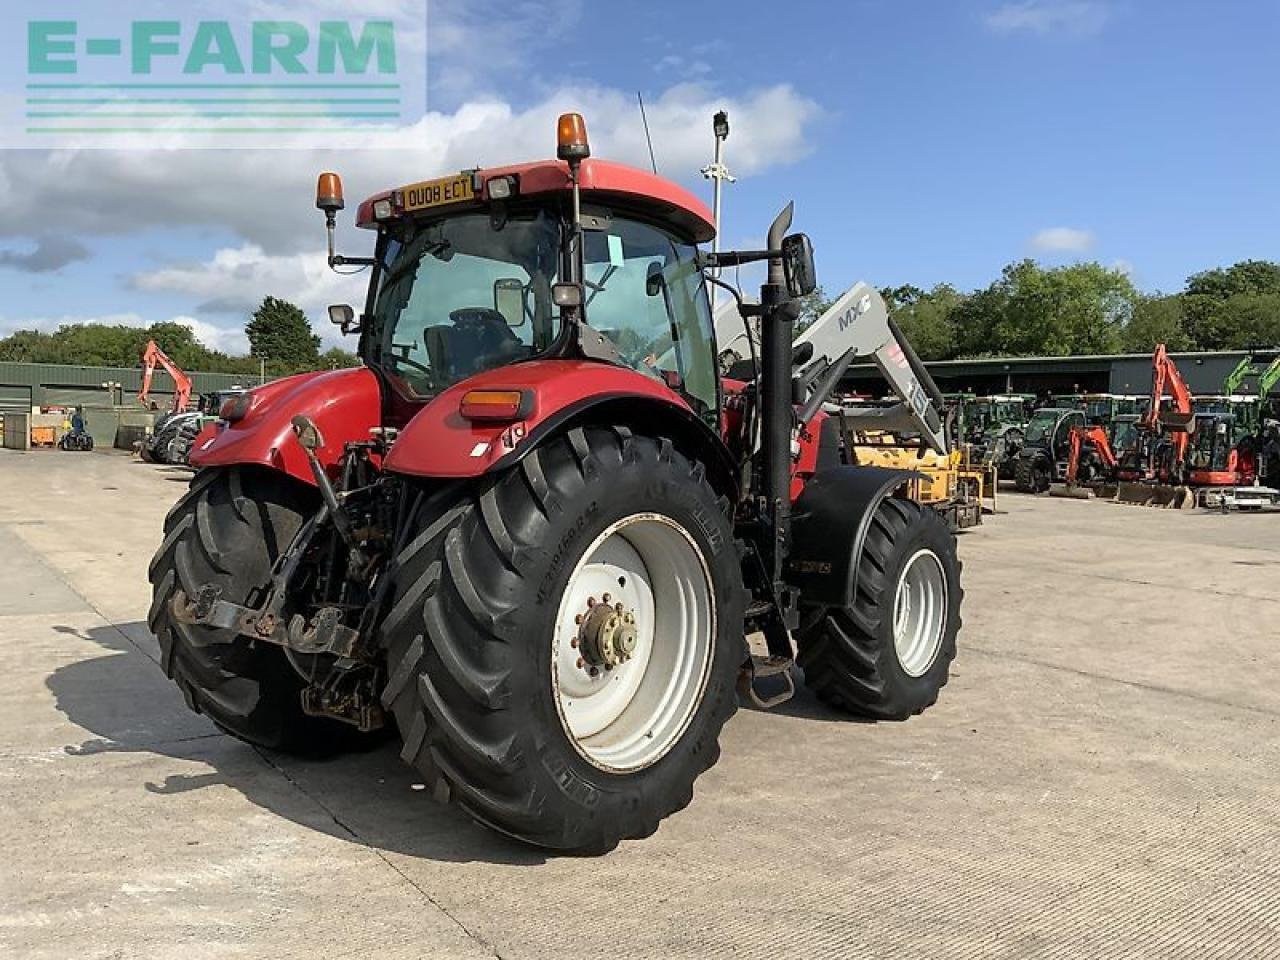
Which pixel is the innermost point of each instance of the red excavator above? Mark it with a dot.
(1174, 424)
(152, 356)
(1097, 462)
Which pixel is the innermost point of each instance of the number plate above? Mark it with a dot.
(438, 193)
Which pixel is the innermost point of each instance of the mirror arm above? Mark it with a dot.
(337, 260)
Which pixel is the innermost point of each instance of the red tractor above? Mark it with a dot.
(533, 531)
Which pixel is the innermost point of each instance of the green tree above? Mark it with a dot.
(812, 306)
(927, 320)
(1157, 319)
(335, 358)
(1030, 311)
(280, 334)
(1246, 277)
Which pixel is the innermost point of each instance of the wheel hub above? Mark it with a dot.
(607, 635)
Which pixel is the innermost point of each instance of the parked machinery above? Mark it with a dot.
(155, 446)
(536, 527)
(1046, 449)
(1090, 460)
(994, 429)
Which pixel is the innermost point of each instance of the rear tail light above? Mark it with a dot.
(496, 404)
(235, 408)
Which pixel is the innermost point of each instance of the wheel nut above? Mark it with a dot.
(573, 642)
(578, 619)
(605, 598)
(618, 607)
(591, 602)
(581, 663)
(595, 672)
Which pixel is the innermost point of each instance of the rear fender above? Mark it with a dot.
(829, 524)
(440, 443)
(344, 404)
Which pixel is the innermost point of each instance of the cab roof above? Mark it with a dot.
(602, 181)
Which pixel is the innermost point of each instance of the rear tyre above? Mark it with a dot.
(229, 529)
(888, 655)
(511, 677)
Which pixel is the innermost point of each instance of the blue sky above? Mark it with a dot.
(922, 142)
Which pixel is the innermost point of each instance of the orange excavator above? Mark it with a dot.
(1096, 437)
(152, 356)
(1101, 465)
(1177, 422)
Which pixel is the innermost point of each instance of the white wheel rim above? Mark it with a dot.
(919, 612)
(628, 717)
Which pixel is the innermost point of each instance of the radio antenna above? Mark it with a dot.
(648, 139)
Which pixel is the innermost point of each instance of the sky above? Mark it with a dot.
(923, 141)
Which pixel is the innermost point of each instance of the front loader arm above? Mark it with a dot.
(858, 325)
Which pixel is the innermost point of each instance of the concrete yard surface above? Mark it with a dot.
(1099, 779)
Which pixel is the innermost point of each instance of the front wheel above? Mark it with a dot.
(564, 641)
(887, 655)
(1033, 474)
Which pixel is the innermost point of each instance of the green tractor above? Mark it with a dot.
(1044, 453)
(995, 427)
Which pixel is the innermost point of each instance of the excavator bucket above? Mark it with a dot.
(1070, 491)
(1164, 495)
(1178, 421)
(1130, 491)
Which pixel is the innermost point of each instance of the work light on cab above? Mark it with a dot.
(571, 137)
(329, 196)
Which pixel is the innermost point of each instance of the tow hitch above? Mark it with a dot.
(323, 633)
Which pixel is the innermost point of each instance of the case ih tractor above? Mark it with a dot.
(534, 530)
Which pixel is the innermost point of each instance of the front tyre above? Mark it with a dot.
(887, 655)
(564, 641)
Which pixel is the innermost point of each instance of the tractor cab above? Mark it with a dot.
(1213, 457)
(494, 267)
(1046, 448)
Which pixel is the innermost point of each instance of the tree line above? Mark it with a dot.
(1087, 308)
(1031, 310)
(278, 333)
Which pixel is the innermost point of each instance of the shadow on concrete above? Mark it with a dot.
(370, 798)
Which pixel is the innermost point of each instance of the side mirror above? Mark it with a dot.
(342, 316)
(654, 280)
(797, 265)
(309, 436)
(508, 300)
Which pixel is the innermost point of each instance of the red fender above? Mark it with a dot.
(345, 405)
(439, 442)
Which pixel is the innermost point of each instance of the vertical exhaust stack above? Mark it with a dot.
(776, 329)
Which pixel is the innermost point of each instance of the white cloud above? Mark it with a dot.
(265, 197)
(228, 340)
(236, 279)
(1062, 240)
(1045, 17)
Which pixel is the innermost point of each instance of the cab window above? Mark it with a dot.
(646, 294)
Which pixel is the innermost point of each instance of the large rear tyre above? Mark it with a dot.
(888, 655)
(563, 642)
(229, 529)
